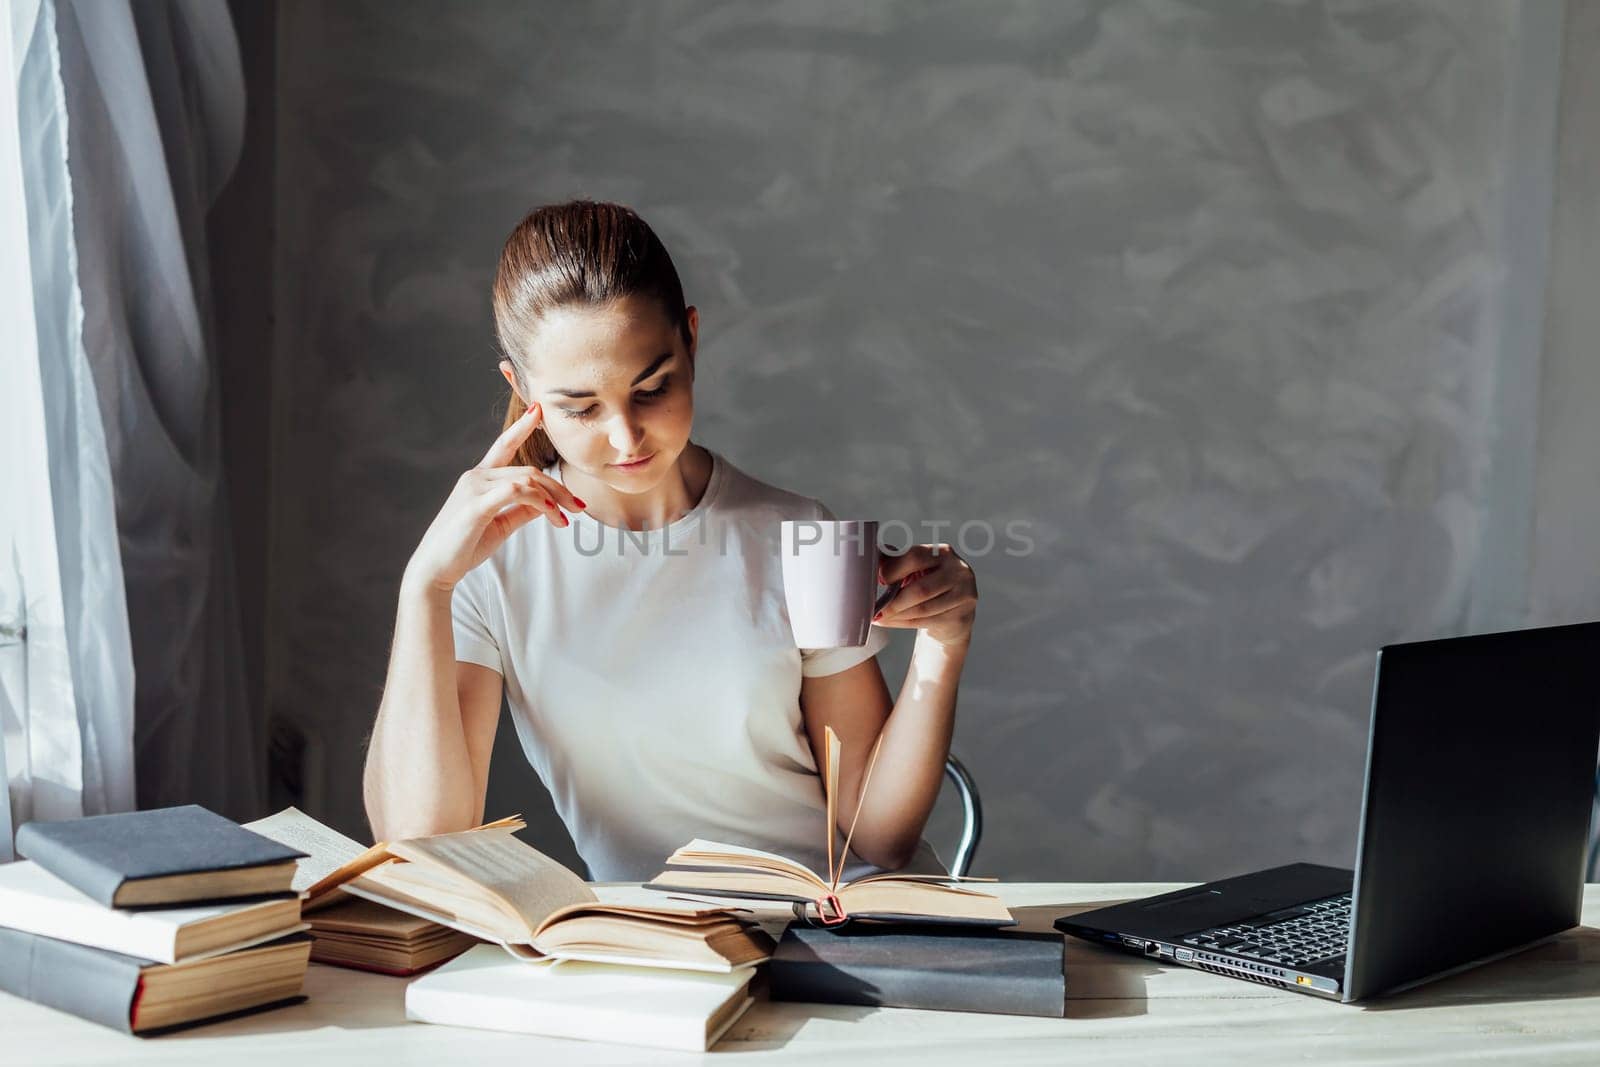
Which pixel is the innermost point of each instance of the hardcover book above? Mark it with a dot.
(370, 937)
(137, 996)
(35, 901)
(1004, 972)
(157, 857)
(596, 1002)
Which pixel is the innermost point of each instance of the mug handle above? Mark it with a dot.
(882, 599)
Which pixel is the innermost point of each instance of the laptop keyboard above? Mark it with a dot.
(1308, 933)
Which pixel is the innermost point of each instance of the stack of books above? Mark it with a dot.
(370, 937)
(560, 960)
(151, 920)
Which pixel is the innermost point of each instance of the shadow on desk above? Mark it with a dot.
(1100, 984)
(335, 998)
(1566, 967)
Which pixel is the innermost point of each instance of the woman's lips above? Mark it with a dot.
(636, 465)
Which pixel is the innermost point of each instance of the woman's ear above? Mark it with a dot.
(692, 321)
(509, 373)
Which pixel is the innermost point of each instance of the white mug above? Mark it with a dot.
(830, 580)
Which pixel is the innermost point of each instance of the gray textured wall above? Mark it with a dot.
(1214, 296)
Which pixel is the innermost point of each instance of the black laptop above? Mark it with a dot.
(1474, 822)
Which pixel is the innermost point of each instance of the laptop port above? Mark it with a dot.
(1152, 949)
(1184, 955)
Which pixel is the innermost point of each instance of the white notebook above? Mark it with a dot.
(37, 902)
(487, 990)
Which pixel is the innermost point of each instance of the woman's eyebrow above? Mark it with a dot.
(578, 394)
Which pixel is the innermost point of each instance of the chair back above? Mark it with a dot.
(972, 810)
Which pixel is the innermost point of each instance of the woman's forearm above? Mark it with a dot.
(914, 742)
(418, 777)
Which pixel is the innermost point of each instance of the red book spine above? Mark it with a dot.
(133, 1006)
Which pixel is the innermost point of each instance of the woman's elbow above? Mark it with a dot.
(888, 855)
(414, 816)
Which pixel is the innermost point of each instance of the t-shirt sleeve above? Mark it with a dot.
(475, 642)
(820, 662)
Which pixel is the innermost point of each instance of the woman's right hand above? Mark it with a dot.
(489, 503)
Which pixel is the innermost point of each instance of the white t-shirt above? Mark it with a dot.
(654, 680)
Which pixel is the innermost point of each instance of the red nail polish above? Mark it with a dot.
(878, 616)
(578, 502)
(549, 503)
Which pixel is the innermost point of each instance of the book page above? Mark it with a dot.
(326, 849)
(744, 883)
(362, 917)
(718, 856)
(390, 897)
(908, 900)
(463, 903)
(332, 859)
(526, 880)
(861, 802)
(830, 787)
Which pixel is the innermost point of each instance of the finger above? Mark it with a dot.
(532, 494)
(504, 449)
(895, 586)
(925, 612)
(903, 573)
(913, 559)
(552, 488)
(513, 519)
(918, 591)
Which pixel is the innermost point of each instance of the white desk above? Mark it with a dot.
(1543, 1005)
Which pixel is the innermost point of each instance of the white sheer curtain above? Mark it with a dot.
(155, 93)
(120, 124)
(66, 670)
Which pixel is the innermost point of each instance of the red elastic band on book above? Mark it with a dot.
(830, 900)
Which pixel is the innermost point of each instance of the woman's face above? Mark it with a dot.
(616, 386)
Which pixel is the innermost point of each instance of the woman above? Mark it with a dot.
(654, 682)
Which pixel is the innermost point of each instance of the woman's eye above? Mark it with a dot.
(651, 394)
(643, 394)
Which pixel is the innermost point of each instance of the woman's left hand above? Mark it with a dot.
(937, 594)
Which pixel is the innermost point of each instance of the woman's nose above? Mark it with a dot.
(626, 434)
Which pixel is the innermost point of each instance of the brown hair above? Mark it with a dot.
(580, 252)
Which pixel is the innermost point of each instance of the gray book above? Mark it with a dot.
(1003, 972)
(139, 996)
(159, 857)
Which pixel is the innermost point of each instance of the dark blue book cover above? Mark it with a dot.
(1004, 972)
(93, 983)
(100, 854)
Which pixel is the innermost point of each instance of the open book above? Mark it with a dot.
(713, 869)
(488, 884)
(348, 931)
(331, 859)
